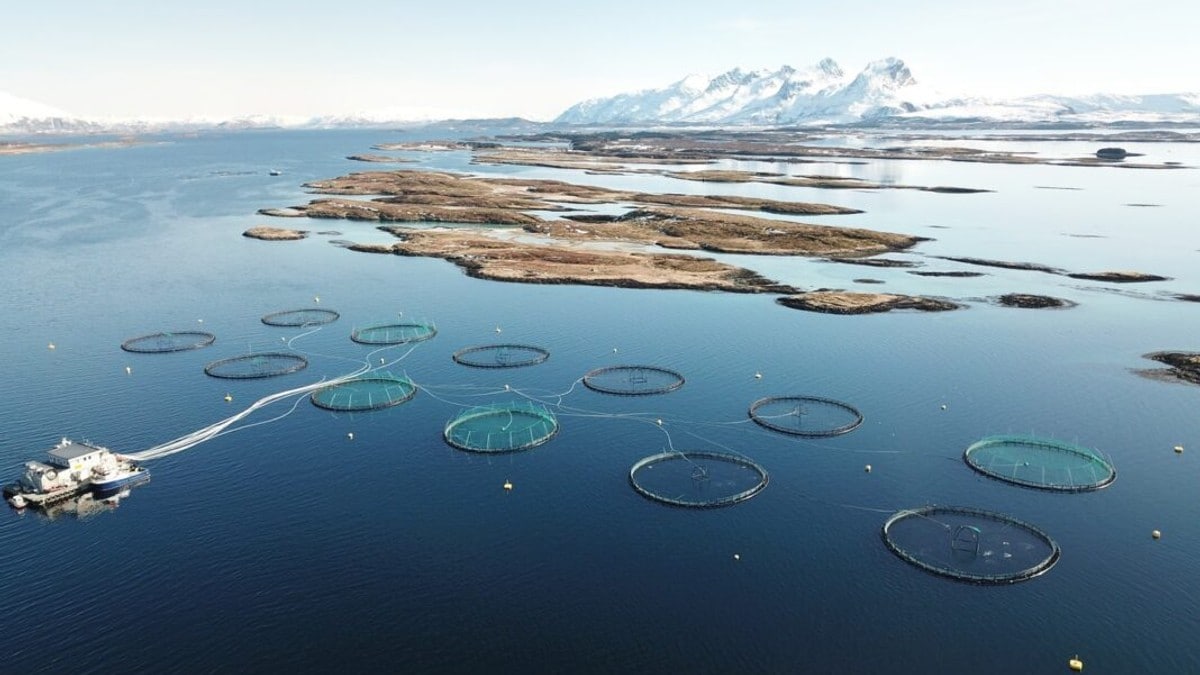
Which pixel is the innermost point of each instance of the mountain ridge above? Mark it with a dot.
(885, 90)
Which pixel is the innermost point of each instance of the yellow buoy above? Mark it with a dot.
(1156, 534)
(867, 468)
(228, 398)
(507, 485)
(1179, 449)
(1075, 664)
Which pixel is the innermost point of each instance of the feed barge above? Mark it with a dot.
(73, 468)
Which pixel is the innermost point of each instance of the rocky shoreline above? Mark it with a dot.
(847, 302)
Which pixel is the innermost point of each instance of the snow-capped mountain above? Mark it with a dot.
(883, 92)
(823, 91)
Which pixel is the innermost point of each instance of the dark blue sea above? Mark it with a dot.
(288, 546)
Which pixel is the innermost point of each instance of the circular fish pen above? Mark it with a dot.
(697, 479)
(256, 366)
(369, 392)
(633, 380)
(502, 427)
(393, 333)
(500, 356)
(808, 416)
(294, 318)
(162, 343)
(1041, 463)
(969, 544)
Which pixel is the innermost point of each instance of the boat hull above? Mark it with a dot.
(111, 486)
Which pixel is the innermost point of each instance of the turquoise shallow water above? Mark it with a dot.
(290, 546)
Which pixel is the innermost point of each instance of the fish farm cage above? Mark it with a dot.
(256, 366)
(368, 392)
(500, 356)
(1041, 463)
(697, 479)
(501, 427)
(808, 416)
(294, 318)
(633, 380)
(161, 343)
(394, 333)
(968, 544)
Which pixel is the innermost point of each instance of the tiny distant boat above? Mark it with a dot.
(275, 172)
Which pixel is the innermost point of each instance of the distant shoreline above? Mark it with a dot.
(20, 148)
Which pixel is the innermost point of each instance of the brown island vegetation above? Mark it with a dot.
(848, 302)
(555, 251)
(1032, 301)
(506, 260)
(1183, 366)
(782, 145)
(274, 233)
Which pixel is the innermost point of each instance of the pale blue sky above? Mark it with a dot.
(534, 58)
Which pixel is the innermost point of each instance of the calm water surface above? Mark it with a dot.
(286, 546)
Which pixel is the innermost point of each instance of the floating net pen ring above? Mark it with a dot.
(393, 333)
(161, 343)
(360, 394)
(500, 356)
(301, 317)
(697, 479)
(633, 380)
(968, 544)
(809, 416)
(499, 428)
(254, 366)
(1041, 463)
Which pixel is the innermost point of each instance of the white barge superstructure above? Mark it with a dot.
(72, 468)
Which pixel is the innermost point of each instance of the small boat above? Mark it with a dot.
(275, 172)
(109, 479)
(17, 501)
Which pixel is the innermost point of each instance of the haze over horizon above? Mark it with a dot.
(139, 59)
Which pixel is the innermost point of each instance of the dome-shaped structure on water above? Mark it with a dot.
(301, 317)
(501, 427)
(697, 478)
(374, 391)
(633, 380)
(501, 356)
(394, 333)
(970, 544)
(1041, 463)
(161, 343)
(256, 366)
(809, 416)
